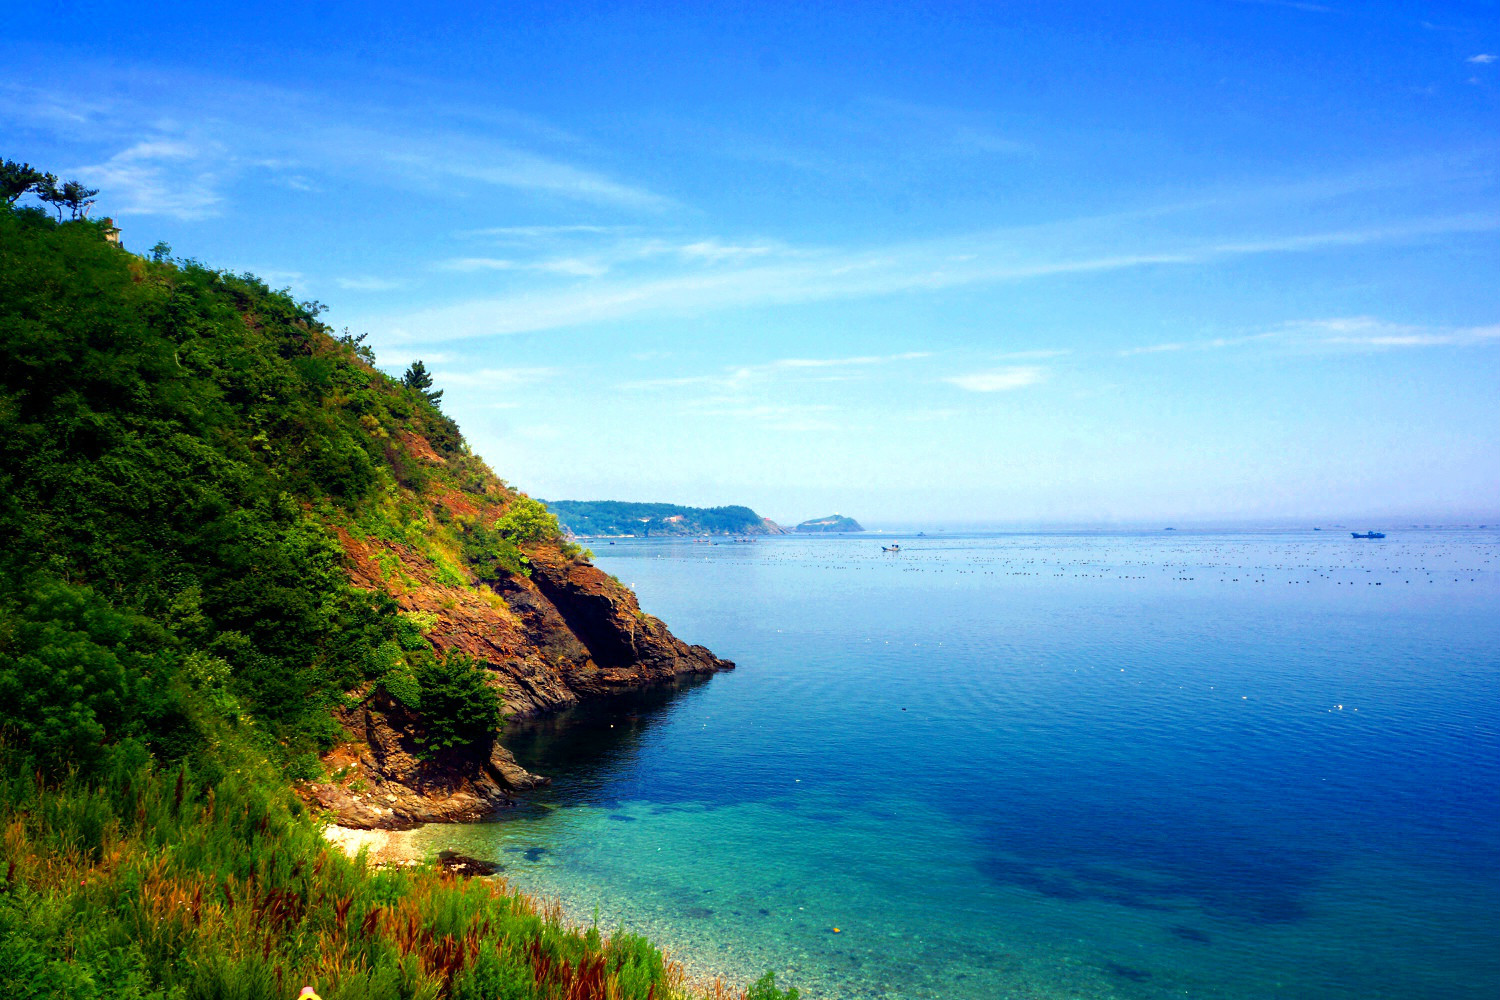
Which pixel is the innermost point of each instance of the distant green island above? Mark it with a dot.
(617, 517)
(832, 523)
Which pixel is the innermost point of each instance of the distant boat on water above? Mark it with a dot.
(1368, 534)
(890, 548)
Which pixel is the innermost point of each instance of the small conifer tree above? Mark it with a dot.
(417, 377)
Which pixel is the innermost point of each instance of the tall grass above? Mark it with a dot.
(150, 884)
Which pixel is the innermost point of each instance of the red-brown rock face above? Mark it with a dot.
(566, 633)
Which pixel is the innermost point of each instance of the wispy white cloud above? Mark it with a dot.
(602, 258)
(1000, 379)
(1340, 333)
(293, 137)
(160, 176)
(517, 168)
(741, 376)
(1196, 345)
(529, 233)
(1483, 58)
(1013, 255)
(579, 267)
(1041, 354)
(1370, 333)
(860, 360)
(477, 264)
(714, 251)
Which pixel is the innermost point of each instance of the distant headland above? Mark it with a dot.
(625, 519)
(830, 524)
(615, 517)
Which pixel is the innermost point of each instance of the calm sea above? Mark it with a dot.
(1165, 764)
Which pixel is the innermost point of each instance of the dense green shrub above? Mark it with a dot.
(76, 675)
(765, 988)
(458, 705)
(528, 520)
(491, 553)
(168, 433)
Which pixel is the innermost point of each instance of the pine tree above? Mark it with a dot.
(418, 378)
(16, 179)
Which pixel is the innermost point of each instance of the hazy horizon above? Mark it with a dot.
(1052, 264)
(907, 524)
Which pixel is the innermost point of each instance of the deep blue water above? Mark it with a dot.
(1070, 765)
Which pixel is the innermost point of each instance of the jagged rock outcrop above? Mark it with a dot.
(566, 632)
(381, 780)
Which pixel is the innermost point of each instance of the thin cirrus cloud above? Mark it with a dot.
(800, 369)
(1012, 255)
(163, 176)
(1483, 58)
(576, 266)
(1000, 379)
(525, 234)
(601, 259)
(1340, 333)
(1366, 332)
(161, 166)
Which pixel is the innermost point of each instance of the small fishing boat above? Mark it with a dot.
(1368, 534)
(890, 548)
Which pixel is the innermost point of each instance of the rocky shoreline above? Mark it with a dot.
(566, 633)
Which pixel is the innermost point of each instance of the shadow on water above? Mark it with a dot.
(583, 747)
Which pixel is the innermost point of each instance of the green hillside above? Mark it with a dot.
(614, 517)
(832, 524)
(186, 458)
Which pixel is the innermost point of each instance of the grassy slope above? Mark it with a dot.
(180, 452)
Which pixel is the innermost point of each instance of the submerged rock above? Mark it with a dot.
(462, 864)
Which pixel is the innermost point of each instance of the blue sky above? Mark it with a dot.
(918, 263)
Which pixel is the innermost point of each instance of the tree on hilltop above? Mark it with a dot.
(78, 199)
(70, 195)
(18, 178)
(417, 377)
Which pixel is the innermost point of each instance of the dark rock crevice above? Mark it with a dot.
(569, 633)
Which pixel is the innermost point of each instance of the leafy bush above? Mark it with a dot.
(458, 705)
(528, 520)
(764, 988)
(492, 554)
(76, 675)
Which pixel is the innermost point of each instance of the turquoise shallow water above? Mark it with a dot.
(1075, 765)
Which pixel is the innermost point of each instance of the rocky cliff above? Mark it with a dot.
(556, 633)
